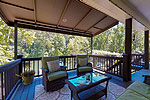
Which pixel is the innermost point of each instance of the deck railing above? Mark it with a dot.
(137, 62)
(108, 64)
(32, 64)
(9, 80)
(35, 63)
(69, 61)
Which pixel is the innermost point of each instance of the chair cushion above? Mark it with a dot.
(56, 75)
(83, 61)
(47, 59)
(140, 88)
(85, 69)
(53, 65)
(131, 95)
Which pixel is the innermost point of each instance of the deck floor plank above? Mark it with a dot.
(19, 92)
(25, 92)
(31, 91)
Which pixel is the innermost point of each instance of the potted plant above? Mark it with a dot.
(27, 76)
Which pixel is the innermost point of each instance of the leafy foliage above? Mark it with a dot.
(33, 43)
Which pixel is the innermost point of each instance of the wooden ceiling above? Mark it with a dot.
(60, 16)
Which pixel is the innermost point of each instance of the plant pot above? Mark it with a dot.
(28, 79)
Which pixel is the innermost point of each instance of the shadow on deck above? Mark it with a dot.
(27, 92)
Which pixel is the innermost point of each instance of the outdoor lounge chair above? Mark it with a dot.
(53, 80)
(83, 66)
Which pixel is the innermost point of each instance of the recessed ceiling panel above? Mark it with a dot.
(93, 17)
(49, 11)
(74, 13)
(106, 22)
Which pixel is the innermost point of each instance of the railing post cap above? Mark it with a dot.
(125, 54)
(20, 56)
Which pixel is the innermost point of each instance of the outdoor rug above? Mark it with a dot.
(114, 91)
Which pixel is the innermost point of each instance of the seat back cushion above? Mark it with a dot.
(83, 61)
(47, 59)
(53, 65)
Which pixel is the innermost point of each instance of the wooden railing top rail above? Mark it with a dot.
(109, 57)
(9, 65)
(66, 56)
(141, 54)
(39, 58)
(31, 58)
(100, 56)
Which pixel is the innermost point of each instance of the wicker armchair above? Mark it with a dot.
(84, 68)
(53, 81)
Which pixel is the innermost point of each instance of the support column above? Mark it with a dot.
(20, 65)
(146, 49)
(128, 49)
(91, 45)
(15, 40)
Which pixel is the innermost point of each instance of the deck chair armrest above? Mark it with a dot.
(78, 65)
(89, 64)
(63, 68)
(45, 72)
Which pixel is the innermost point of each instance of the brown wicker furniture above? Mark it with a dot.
(53, 80)
(83, 89)
(83, 69)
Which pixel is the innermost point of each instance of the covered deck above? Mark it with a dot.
(73, 17)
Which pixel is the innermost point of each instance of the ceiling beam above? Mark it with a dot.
(50, 25)
(49, 29)
(97, 28)
(2, 15)
(113, 24)
(35, 14)
(82, 18)
(14, 5)
(63, 12)
(96, 23)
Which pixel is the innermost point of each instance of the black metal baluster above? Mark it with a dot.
(38, 67)
(2, 93)
(24, 65)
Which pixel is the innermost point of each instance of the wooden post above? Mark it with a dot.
(15, 40)
(128, 48)
(125, 67)
(146, 49)
(91, 44)
(20, 65)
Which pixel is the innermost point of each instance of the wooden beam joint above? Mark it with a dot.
(63, 12)
(96, 23)
(82, 18)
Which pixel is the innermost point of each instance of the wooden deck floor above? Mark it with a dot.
(138, 75)
(27, 92)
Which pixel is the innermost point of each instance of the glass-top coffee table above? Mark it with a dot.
(87, 87)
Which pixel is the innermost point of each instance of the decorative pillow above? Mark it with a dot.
(83, 61)
(53, 65)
